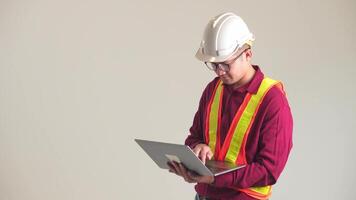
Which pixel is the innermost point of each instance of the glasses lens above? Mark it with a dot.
(211, 66)
(214, 66)
(224, 67)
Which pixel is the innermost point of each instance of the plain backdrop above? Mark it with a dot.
(79, 80)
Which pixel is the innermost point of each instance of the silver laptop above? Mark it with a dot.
(161, 153)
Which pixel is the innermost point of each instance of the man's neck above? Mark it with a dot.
(246, 78)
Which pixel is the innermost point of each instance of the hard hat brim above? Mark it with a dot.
(207, 58)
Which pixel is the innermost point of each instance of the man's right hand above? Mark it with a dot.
(203, 152)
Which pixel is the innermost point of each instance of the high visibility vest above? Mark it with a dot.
(233, 148)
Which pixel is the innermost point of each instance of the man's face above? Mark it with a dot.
(238, 68)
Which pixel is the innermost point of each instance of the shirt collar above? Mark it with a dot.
(253, 85)
(256, 81)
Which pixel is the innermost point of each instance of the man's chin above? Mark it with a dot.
(226, 81)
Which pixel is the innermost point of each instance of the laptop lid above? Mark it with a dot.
(161, 153)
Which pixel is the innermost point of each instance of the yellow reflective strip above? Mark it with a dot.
(265, 190)
(213, 117)
(245, 120)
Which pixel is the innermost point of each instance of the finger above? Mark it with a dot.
(171, 168)
(176, 168)
(170, 165)
(193, 174)
(173, 171)
(210, 155)
(203, 156)
(184, 171)
(197, 151)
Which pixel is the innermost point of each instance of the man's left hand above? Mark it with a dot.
(189, 176)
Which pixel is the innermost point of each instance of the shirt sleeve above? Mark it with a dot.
(275, 143)
(196, 135)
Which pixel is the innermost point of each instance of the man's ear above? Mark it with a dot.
(248, 54)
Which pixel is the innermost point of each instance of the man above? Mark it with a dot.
(243, 117)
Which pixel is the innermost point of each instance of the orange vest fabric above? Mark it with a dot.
(233, 148)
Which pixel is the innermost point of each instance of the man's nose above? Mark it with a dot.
(219, 71)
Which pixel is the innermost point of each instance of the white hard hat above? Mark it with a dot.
(223, 36)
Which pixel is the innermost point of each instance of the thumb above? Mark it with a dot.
(210, 155)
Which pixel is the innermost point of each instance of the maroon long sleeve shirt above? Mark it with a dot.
(268, 144)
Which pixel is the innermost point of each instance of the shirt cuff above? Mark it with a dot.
(224, 180)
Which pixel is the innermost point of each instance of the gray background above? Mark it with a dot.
(79, 80)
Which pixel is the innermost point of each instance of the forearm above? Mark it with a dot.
(252, 175)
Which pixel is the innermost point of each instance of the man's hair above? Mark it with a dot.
(244, 47)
